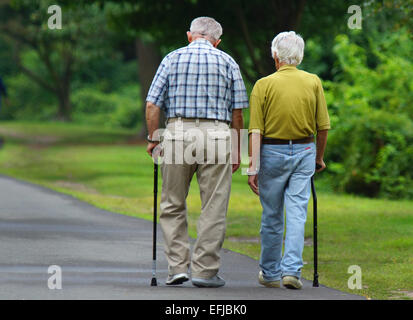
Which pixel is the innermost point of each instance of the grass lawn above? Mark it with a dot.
(106, 168)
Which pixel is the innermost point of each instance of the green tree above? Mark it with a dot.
(249, 27)
(59, 53)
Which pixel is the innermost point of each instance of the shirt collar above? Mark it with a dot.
(201, 41)
(287, 67)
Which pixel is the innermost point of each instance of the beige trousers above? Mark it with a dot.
(189, 147)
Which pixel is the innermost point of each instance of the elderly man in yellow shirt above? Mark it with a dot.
(288, 109)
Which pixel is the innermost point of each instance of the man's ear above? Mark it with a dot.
(189, 35)
(217, 43)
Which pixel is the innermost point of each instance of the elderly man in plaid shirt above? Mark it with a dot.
(202, 93)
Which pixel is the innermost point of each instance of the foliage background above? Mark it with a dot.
(97, 70)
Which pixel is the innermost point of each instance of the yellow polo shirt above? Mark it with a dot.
(288, 104)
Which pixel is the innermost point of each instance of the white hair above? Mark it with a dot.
(289, 47)
(206, 26)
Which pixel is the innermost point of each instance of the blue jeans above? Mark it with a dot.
(284, 180)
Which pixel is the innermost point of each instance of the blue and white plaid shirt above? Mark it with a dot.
(198, 81)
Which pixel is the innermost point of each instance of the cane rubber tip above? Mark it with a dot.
(153, 282)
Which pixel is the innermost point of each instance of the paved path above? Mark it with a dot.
(103, 255)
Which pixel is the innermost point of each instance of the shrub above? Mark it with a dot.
(370, 148)
(372, 155)
(27, 100)
(108, 109)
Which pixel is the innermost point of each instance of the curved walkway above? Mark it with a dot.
(104, 255)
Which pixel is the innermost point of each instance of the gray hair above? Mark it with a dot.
(206, 26)
(289, 47)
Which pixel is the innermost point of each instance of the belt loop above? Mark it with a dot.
(179, 125)
(216, 123)
(197, 122)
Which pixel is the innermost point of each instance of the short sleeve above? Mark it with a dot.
(256, 109)
(239, 93)
(322, 118)
(159, 86)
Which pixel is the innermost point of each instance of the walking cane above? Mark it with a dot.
(155, 210)
(315, 279)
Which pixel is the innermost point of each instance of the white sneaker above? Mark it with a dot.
(268, 283)
(176, 279)
(291, 282)
(213, 282)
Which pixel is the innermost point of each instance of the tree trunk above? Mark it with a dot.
(149, 59)
(65, 105)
